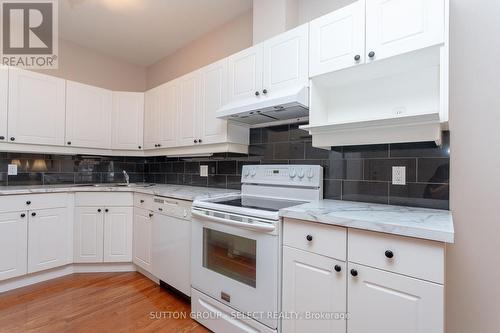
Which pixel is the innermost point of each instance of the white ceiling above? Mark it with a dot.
(143, 31)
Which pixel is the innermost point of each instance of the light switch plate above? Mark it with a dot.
(203, 170)
(398, 175)
(12, 170)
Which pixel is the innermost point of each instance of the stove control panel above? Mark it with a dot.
(295, 175)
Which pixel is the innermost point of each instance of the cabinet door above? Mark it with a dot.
(47, 239)
(189, 94)
(286, 61)
(4, 85)
(213, 95)
(89, 234)
(142, 248)
(36, 108)
(245, 75)
(88, 116)
(13, 245)
(169, 111)
(398, 26)
(380, 301)
(127, 120)
(312, 285)
(152, 118)
(337, 39)
(118, 234)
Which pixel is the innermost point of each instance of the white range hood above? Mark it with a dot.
(282, 105)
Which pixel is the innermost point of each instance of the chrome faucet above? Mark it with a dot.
(127, 177)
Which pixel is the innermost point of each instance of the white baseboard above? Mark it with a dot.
(26, 280)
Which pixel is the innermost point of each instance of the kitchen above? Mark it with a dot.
(279, 166)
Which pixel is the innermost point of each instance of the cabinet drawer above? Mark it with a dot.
(143, 201)
(14, 203)
(318, 238)
(93, 199)
(417, 258)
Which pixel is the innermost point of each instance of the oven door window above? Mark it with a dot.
(230, 255)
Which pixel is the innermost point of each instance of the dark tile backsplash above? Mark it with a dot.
(359, 173)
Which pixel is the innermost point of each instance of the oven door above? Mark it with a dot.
(236, 264)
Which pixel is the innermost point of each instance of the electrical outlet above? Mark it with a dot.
(12, 170)
(203, 170)
(398, 175)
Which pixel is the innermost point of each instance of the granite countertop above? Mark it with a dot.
(431, 224)
(181, 192)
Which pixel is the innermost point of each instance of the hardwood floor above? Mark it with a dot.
(103, 302)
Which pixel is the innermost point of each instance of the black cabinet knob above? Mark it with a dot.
(28, 202)
(2, 137)
(69, 143)
(150, 215)
(23, 215)
(160, 209)
(309, 238)
(389, 254)
(99, 210)
(371, 54)
(106, 210)
(199, 140)
(257, 93)
(139, 147)
(142, 201)
(33, 214)
(159, 145)
(195, 141)
(337, 268)
(12, 138)
(264, 91)
(357, 57)
(354, 272)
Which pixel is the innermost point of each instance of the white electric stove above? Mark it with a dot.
(235, 247)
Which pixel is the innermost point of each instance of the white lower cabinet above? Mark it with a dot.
(47, 239)
(142, 245)
(313, 284)
(381, 301)
(118, 234)
(13, 244)
(103, 234)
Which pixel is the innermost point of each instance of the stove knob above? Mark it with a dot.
(293, 173)
(245, 173)
(253, 172)
(301, 173)
(310, 173)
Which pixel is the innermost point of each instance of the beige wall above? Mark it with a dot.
(473, 267)
(222, 42)
(83, 65)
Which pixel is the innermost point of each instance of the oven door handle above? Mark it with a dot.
(257, 227)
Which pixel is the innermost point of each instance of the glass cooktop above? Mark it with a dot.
(267, 204)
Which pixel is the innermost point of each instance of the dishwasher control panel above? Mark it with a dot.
(172, 207)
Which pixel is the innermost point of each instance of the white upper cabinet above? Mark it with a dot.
(189, 105)
(47, 239)
(36, 108)
(245, 74)
(4, 92)
(169, 112)
(398, 26)
(286, 61)
(127, 120)
(338, 39)
(152, 118)
(380, 301)
(88, 116)
(13, 244)
(213, 95)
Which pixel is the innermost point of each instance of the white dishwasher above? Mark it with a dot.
(172, 243)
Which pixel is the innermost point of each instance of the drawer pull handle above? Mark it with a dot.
(28, 202)
(150, 215)
(99, 210)
(106, 210)
(142, 201)
(33, 214)
(337, 268)
(389, 254)
(23, 215)
(354, 272)
(309, 238)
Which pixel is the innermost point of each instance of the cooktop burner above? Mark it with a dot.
(267, 204)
